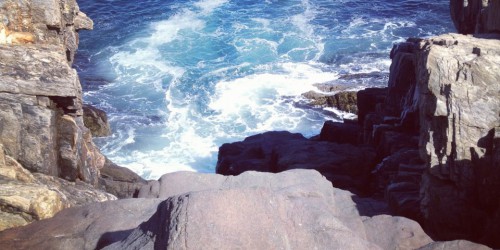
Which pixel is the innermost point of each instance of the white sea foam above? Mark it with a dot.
(207, 6)
(258, 101)
(216, 72)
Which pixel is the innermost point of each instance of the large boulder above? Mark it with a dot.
(346, 166)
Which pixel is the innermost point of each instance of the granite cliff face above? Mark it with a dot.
(40, 94)
(41, 124)
(427, 147)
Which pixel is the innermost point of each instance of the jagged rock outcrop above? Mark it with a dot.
(475, 16)
(53, 22)
(459, 123)
(346, 166)
(444, 92)
(343, 100)
(293, 209)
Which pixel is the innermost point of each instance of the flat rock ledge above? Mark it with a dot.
(296, 209)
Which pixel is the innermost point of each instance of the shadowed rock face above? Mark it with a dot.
(295, 209)
(443, 91)
(96, 120)
(345, 165)
(475, 16)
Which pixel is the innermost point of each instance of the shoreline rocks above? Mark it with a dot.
(296, 208)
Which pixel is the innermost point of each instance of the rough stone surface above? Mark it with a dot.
(459, 122)
(96, 120)
(443, 101)
(295, 209)
(120, 181)
(343, 100)
(89, 227)
(347, 166)
(289, 221)
(54, 22)
(27, 197)
(40, 94)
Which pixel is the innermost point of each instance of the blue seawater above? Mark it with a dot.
(179, 78)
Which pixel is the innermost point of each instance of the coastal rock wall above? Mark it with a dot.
(41, 116)
(459, 122)
(450, 99)
(40, 94)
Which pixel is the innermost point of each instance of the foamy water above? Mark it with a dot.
(180, 78)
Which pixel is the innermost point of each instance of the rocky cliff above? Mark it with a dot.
(427, 147)
(41, 124)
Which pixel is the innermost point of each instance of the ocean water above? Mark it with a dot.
(179, 78)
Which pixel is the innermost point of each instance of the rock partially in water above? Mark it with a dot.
(343, 101)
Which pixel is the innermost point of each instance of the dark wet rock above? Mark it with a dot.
(347, 166)
(475, 16)
(343, 101)
(341, 132)
(368, 100)
(253, 153)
